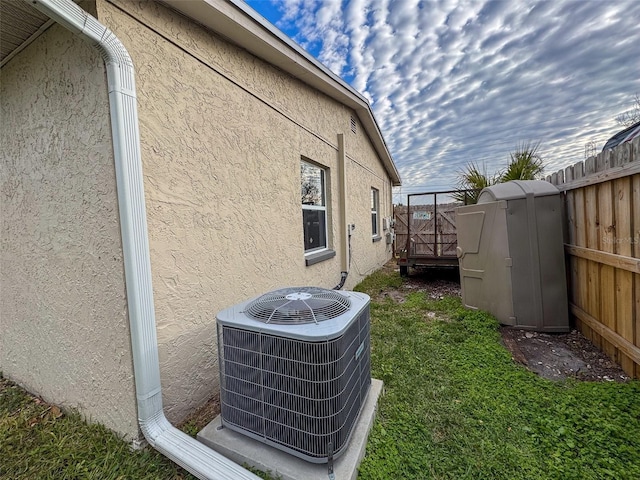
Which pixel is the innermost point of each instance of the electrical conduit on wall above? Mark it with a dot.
(345, 230)
(195, 457)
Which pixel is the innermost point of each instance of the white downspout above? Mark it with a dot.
(192, 455)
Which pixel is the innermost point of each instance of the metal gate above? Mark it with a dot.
(426, 229)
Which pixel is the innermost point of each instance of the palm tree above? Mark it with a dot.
(525, 164)
(471, 181)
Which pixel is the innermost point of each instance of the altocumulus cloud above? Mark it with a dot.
(457, 81)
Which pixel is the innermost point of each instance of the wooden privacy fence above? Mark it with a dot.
(602, 220)
(433, 229)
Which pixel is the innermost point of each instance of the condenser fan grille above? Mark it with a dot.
(298, 306)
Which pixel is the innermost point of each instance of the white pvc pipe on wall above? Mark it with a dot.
(168, 440)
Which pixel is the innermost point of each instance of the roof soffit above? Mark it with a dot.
(20, 24)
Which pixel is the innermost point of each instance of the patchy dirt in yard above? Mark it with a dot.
(552, 356)
(437, 283)
(561, 355)
(202, 416)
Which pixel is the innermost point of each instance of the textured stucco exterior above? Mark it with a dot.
(63, 312)
(222, 137)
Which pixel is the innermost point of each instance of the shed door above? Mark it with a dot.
(485, 264)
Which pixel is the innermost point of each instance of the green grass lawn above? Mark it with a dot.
(455, 406)
(38, 441)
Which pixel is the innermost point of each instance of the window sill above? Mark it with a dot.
(377, 238)
(318, 257)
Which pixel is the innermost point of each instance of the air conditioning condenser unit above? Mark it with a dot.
(295, 369)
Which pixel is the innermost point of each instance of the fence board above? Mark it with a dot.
(573, 278)
(623, 277)
(629, 348)
(401, 227)
(635, 240)
(621, 262)
(606, 176)
(436, 231)
(593, 269)
(582, 281)
(606, 237)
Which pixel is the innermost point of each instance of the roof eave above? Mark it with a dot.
(239, 23)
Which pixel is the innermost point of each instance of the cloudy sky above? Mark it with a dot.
(457, 81)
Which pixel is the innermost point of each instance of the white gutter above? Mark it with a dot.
(187, 452)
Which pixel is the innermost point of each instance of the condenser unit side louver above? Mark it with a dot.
(295, 369)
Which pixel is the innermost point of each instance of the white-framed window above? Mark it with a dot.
(375, 208)
(314, 207)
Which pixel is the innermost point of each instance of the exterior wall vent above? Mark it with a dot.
(353, 125)
(295, 369)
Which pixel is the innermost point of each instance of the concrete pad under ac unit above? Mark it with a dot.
(247, 451)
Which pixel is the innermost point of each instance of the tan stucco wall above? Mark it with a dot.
(222, 136)
(63, 315)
